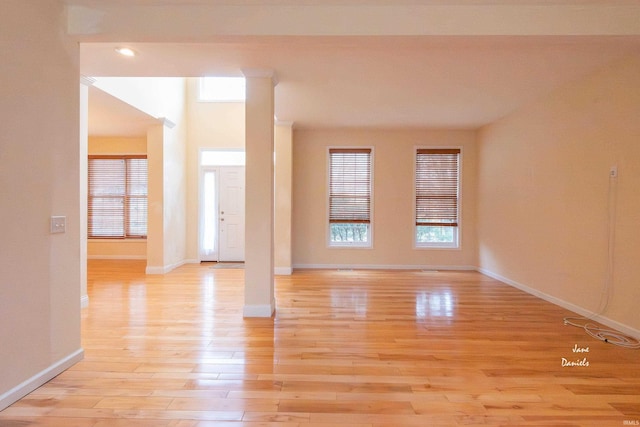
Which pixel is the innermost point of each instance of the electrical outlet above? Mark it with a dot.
(613, 172)
(58, 224)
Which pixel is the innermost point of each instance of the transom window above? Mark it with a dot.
(350, 197)
(117, 199)
(222, 158)
(222, 89)
(437, 188)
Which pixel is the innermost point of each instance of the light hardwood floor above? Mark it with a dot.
(346, 348)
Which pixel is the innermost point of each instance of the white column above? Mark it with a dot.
(259, 298)
(155, 200)
(85, 82)
(283, 190)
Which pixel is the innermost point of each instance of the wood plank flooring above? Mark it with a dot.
(346, 348)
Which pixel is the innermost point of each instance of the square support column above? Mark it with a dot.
(259, 298)
(85, 82)
(283, 189)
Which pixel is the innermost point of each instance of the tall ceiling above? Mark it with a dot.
(385, 81)
(347, 2)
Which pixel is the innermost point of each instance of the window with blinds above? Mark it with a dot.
(117, 199)
(350, 196)
(437, 189)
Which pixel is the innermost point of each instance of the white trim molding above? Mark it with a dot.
(564, 304)
(264, 73)
(84, 301)
(384, 267)
(156, 269)
(86, 80)
(264, 310)
(283, 271)
(166, 122)
(123, 257)
(40, 378)
(152, 269)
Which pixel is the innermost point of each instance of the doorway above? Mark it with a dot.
(222, 208)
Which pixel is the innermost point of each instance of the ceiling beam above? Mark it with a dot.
(108, 21)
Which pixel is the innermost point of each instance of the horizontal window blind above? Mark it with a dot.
(117, 199)
(136, 198)
(350, 185)
(437, 174)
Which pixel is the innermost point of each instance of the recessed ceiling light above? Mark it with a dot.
(125, 51)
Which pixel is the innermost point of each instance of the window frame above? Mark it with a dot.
(355, 245)
(127, 235)
(457, 230)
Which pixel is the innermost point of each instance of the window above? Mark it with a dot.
(437, 192)
(222, 89)
(350, 197)
(117, 197)
(222, 158)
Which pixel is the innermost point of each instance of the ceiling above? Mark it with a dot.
(108, 116)
(345, 2)
(434, 81)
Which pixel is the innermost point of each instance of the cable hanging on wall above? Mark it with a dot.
(607, 335)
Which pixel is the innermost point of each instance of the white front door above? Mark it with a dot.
(222, 214)
(231, 213)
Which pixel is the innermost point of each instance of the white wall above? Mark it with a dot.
(155, 199)
(39, 177)
(393, 219)
(283, 202)
(544, 192)
(167, 179)
(175, 183)
(166, 148)
(158, 97)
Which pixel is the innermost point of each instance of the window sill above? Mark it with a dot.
(116, 240)
(437, 247)
(334, 246)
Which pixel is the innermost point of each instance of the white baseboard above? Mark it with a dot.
(84, 301)
(265, 310)
(628, 330)
(39, 379)
(126, 257)
(283, 271)
(384, 267)
(163, 269)
(154, 270)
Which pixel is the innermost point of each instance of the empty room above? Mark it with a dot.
(305, 213)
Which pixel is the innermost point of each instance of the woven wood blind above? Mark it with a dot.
(350, 185)
(117, 199)
(437, 187)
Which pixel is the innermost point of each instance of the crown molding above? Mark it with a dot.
(86, 80)
(264, 73)
(166, 122)
(284, 123)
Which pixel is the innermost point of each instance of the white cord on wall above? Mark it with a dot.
(606, 335)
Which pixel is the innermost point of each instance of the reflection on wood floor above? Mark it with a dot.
(345, 348)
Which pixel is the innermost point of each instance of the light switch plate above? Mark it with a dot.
(58, 224)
